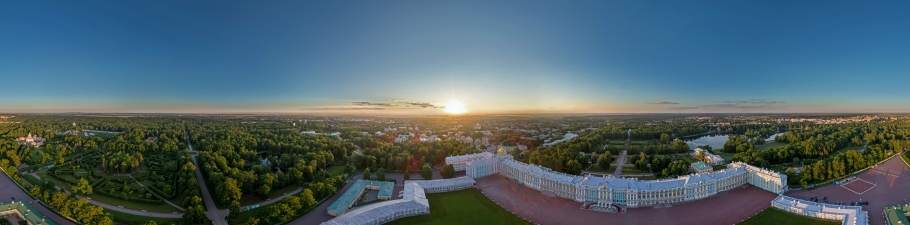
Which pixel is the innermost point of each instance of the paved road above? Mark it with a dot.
(274, 200)
(621, 162)
(9, 190)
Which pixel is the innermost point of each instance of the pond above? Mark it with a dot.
(717, 141)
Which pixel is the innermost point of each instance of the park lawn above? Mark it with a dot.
(596, 168)
(163, 207)
(688, 159)
(54, 180)
(335, 170)
(131, 219)
(31, 179)
(252, 199)
(631, 169)
(728, 156)
(778, 217)
(779, 169)
(462, 207)
(845, 149)
(770, 145)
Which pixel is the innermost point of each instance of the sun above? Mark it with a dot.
(455, 107)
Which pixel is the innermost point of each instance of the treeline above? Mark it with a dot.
(78, 209)
(256, 158)
(406, 156)
(294, 206)
(812, 149)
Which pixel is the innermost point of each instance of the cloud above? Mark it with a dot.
(372, 104)
(422, 104)
(662, 101)
(391, 104)
(353, 108)
(736, 104)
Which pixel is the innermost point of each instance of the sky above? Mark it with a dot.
(416, 57)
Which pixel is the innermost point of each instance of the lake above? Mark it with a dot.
(717, 141)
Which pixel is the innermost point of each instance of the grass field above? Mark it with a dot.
(254, 198)
(770, 145)
(845, 149)
(778, 217)
(462, 207)
(728, 156)
(631, 169)
(163, 207)
(596, 168)
(336, 170)
(131, 219)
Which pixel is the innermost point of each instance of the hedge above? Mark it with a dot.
(137, 200)
(71, 182)
(159, 192)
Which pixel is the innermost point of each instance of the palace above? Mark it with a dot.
(607, 190)
(413, 202)
(710, 159)
(849, 215)
(32, 141)
(459, 162)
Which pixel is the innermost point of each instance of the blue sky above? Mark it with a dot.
(495, 56)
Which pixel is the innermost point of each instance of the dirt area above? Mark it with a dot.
(725, 208)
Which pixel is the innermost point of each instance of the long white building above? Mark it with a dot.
(608, 190)
(413, 202)
(848, 215)
(459, 162)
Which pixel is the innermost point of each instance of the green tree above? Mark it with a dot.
(83, 187)
(380, 174)
(426, 172)
(448, 171)
(234, 210)
(604, 160)
(366, 174)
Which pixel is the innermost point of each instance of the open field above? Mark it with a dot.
(254, 198)
(770, 145)
(462, 207)
(725, 208)
(162, 208)
(335, 170)
(778, 217)
(596, 168)
(728, 156)
(631, 169)
(845, 149)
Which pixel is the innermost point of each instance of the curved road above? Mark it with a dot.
(9, 190)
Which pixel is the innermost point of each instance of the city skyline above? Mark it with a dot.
(413, 57)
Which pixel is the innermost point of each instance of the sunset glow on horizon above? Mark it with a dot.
(402, 58)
